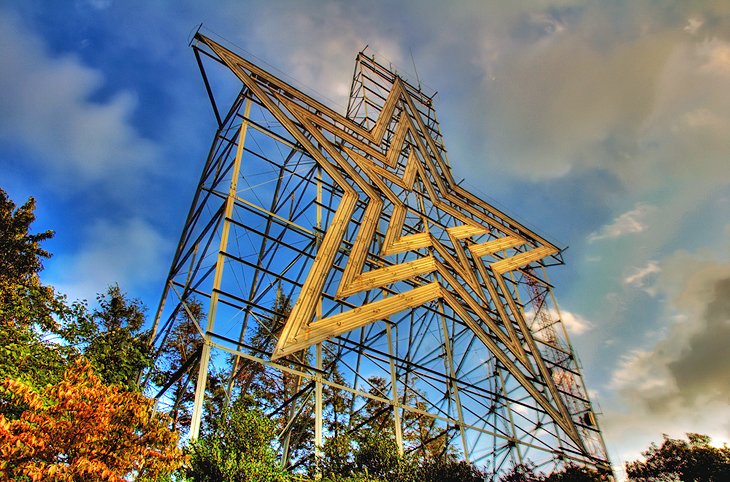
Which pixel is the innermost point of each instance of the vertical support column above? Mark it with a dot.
(318, 436)
(228, 212)
(318, 407)
(286, 444)
(319, 204)
(394, 391)
(449, 362)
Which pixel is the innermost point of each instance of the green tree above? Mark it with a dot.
(576, 473)
(237, 448)
(216, 398)
(31, 356)
(374, 457)
(378, 456)
(521, 473)
(368, 457)
(29, 311)
(569, 473)
(689, 460)
(252, 377)
(429, 439)
(40, 333)
(449, 469)
(21, 255)
(112, 339)
(376, 415)
(278, 392)
(337, 460)
(421, 433)
(58, 419)
(336, 400)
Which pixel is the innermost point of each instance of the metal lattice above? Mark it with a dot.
(418, 302)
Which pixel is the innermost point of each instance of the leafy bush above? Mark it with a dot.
(237, 448)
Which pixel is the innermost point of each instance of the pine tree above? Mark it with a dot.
(29, 311)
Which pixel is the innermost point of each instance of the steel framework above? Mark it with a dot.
(408, 293)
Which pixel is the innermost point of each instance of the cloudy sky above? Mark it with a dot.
(603, 125)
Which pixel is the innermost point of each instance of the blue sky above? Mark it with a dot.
(603, 125)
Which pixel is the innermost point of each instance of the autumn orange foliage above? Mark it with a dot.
(82, 429)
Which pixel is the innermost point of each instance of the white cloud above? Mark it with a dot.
(318, 51)
(693, 24)
(567, 100)
(47, 107)
(131, 253)
(638, 276)
(574, 323)
(624, 92)
(629, 222)
(683, 143)
(678, 381)
(638, 370)
(717, 58)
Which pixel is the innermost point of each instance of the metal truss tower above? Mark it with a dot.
(418, 302)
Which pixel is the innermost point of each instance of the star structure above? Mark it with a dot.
(465, 265)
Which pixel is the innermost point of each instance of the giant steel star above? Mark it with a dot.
(481, 246)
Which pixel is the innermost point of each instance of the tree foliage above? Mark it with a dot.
(237, 448)
(689, 460)
(378, 456)
(20, 251)
(569, 473)
(41, 333)
(373, 457)
(71, 407)
(24, 301)
(82, 429)
(69, 404)
(111, 338)
(252, 377)
(521, 473)
(449, 469)
(29, 311)
(278, 392)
